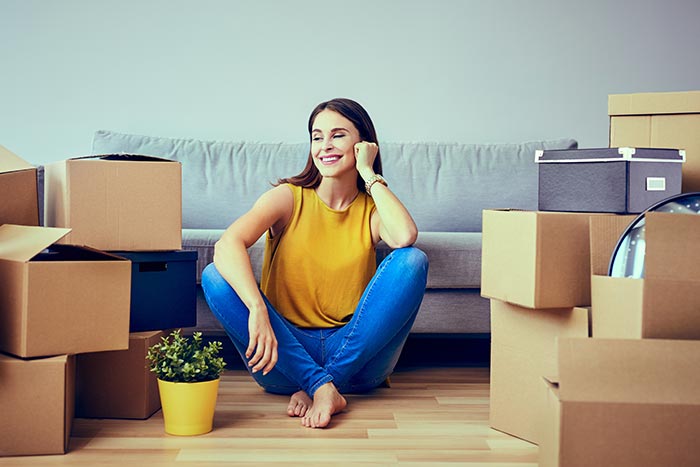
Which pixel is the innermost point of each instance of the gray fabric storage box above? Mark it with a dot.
(615, 180)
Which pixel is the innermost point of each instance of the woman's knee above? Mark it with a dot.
(212, 280)
(412, 259)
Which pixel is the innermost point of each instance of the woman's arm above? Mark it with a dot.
(271, 211)
(391, 221)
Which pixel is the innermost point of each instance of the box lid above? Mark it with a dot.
(23, 242)
(629, 370)
(651, 103)
(626, 154)
(11, 162)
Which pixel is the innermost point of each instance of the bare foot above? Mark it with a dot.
(327, 402)
(299, 404)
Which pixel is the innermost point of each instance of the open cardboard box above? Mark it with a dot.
(118, 384)
(536, 259)
(523, 348)
(116, 202)
(623, 402)
(666, 303)
(36, 402)
(60, 299)
(659, 120)
(18, 186)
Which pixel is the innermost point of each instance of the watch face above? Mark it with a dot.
(628, 257)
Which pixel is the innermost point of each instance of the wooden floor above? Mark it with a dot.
(429, 417)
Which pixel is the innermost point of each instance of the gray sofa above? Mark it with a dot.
(444, 186)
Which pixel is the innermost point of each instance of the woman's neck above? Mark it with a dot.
(337, 194)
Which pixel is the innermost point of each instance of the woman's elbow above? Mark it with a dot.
(406, 239)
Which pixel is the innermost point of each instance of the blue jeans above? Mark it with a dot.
(356, 357)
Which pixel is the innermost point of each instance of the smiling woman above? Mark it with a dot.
(325, 320)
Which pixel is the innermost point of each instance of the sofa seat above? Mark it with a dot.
(455, 257)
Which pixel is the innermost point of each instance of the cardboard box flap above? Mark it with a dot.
(11, 162)
(672, 246)
(22, 242)
(654, 103)
(124, 157)
(605, 232)
(618, 370)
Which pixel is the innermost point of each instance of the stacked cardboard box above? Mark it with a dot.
(536, 271)
(659, 120)
(118, 384)
(19, 188)
(623, 402)
(55, 300)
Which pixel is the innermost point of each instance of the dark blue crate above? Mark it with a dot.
(163, 289)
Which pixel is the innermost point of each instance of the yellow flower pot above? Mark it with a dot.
(188, 408)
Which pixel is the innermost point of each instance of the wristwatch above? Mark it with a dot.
(372, 180)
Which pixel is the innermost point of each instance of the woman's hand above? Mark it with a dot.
(365, 153)
(262, 345)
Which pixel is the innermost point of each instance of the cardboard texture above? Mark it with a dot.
(523, 349)
(163, 289)
(118, 202)
(623, 402)
(660, 120)
(18, 186)
(118, 384)
(536, 259)
(665, 303)
(616, 180)
(64, 300)
(37, 405)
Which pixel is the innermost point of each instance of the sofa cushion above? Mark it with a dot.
(445, 186)
(455, 257)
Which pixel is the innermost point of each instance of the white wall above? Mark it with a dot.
(481, 71)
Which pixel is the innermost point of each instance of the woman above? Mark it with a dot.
(325, 320)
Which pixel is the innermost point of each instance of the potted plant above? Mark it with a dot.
(188, 381)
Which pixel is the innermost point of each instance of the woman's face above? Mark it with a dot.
(333, 139)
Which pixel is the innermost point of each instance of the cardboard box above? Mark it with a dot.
(163, 289)
(36, 402)
(665, 303)
(65, 300)
(116, 202)
(623, 402)
(118, 384)
(536, 259)
(19, 190)
(523, 349)
(616, 180)
(659, 120)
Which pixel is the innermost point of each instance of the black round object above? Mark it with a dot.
(628, 256)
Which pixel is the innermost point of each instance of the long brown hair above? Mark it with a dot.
(310, 176)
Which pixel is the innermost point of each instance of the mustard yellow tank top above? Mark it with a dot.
(315, 271)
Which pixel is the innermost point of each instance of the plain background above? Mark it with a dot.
(471, 71)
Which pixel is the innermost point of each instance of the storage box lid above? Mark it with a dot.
(10, 162)
(652, 103)
(629, 370)
(21, 242)
(610, 155)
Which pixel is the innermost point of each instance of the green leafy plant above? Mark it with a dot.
(181, 360)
